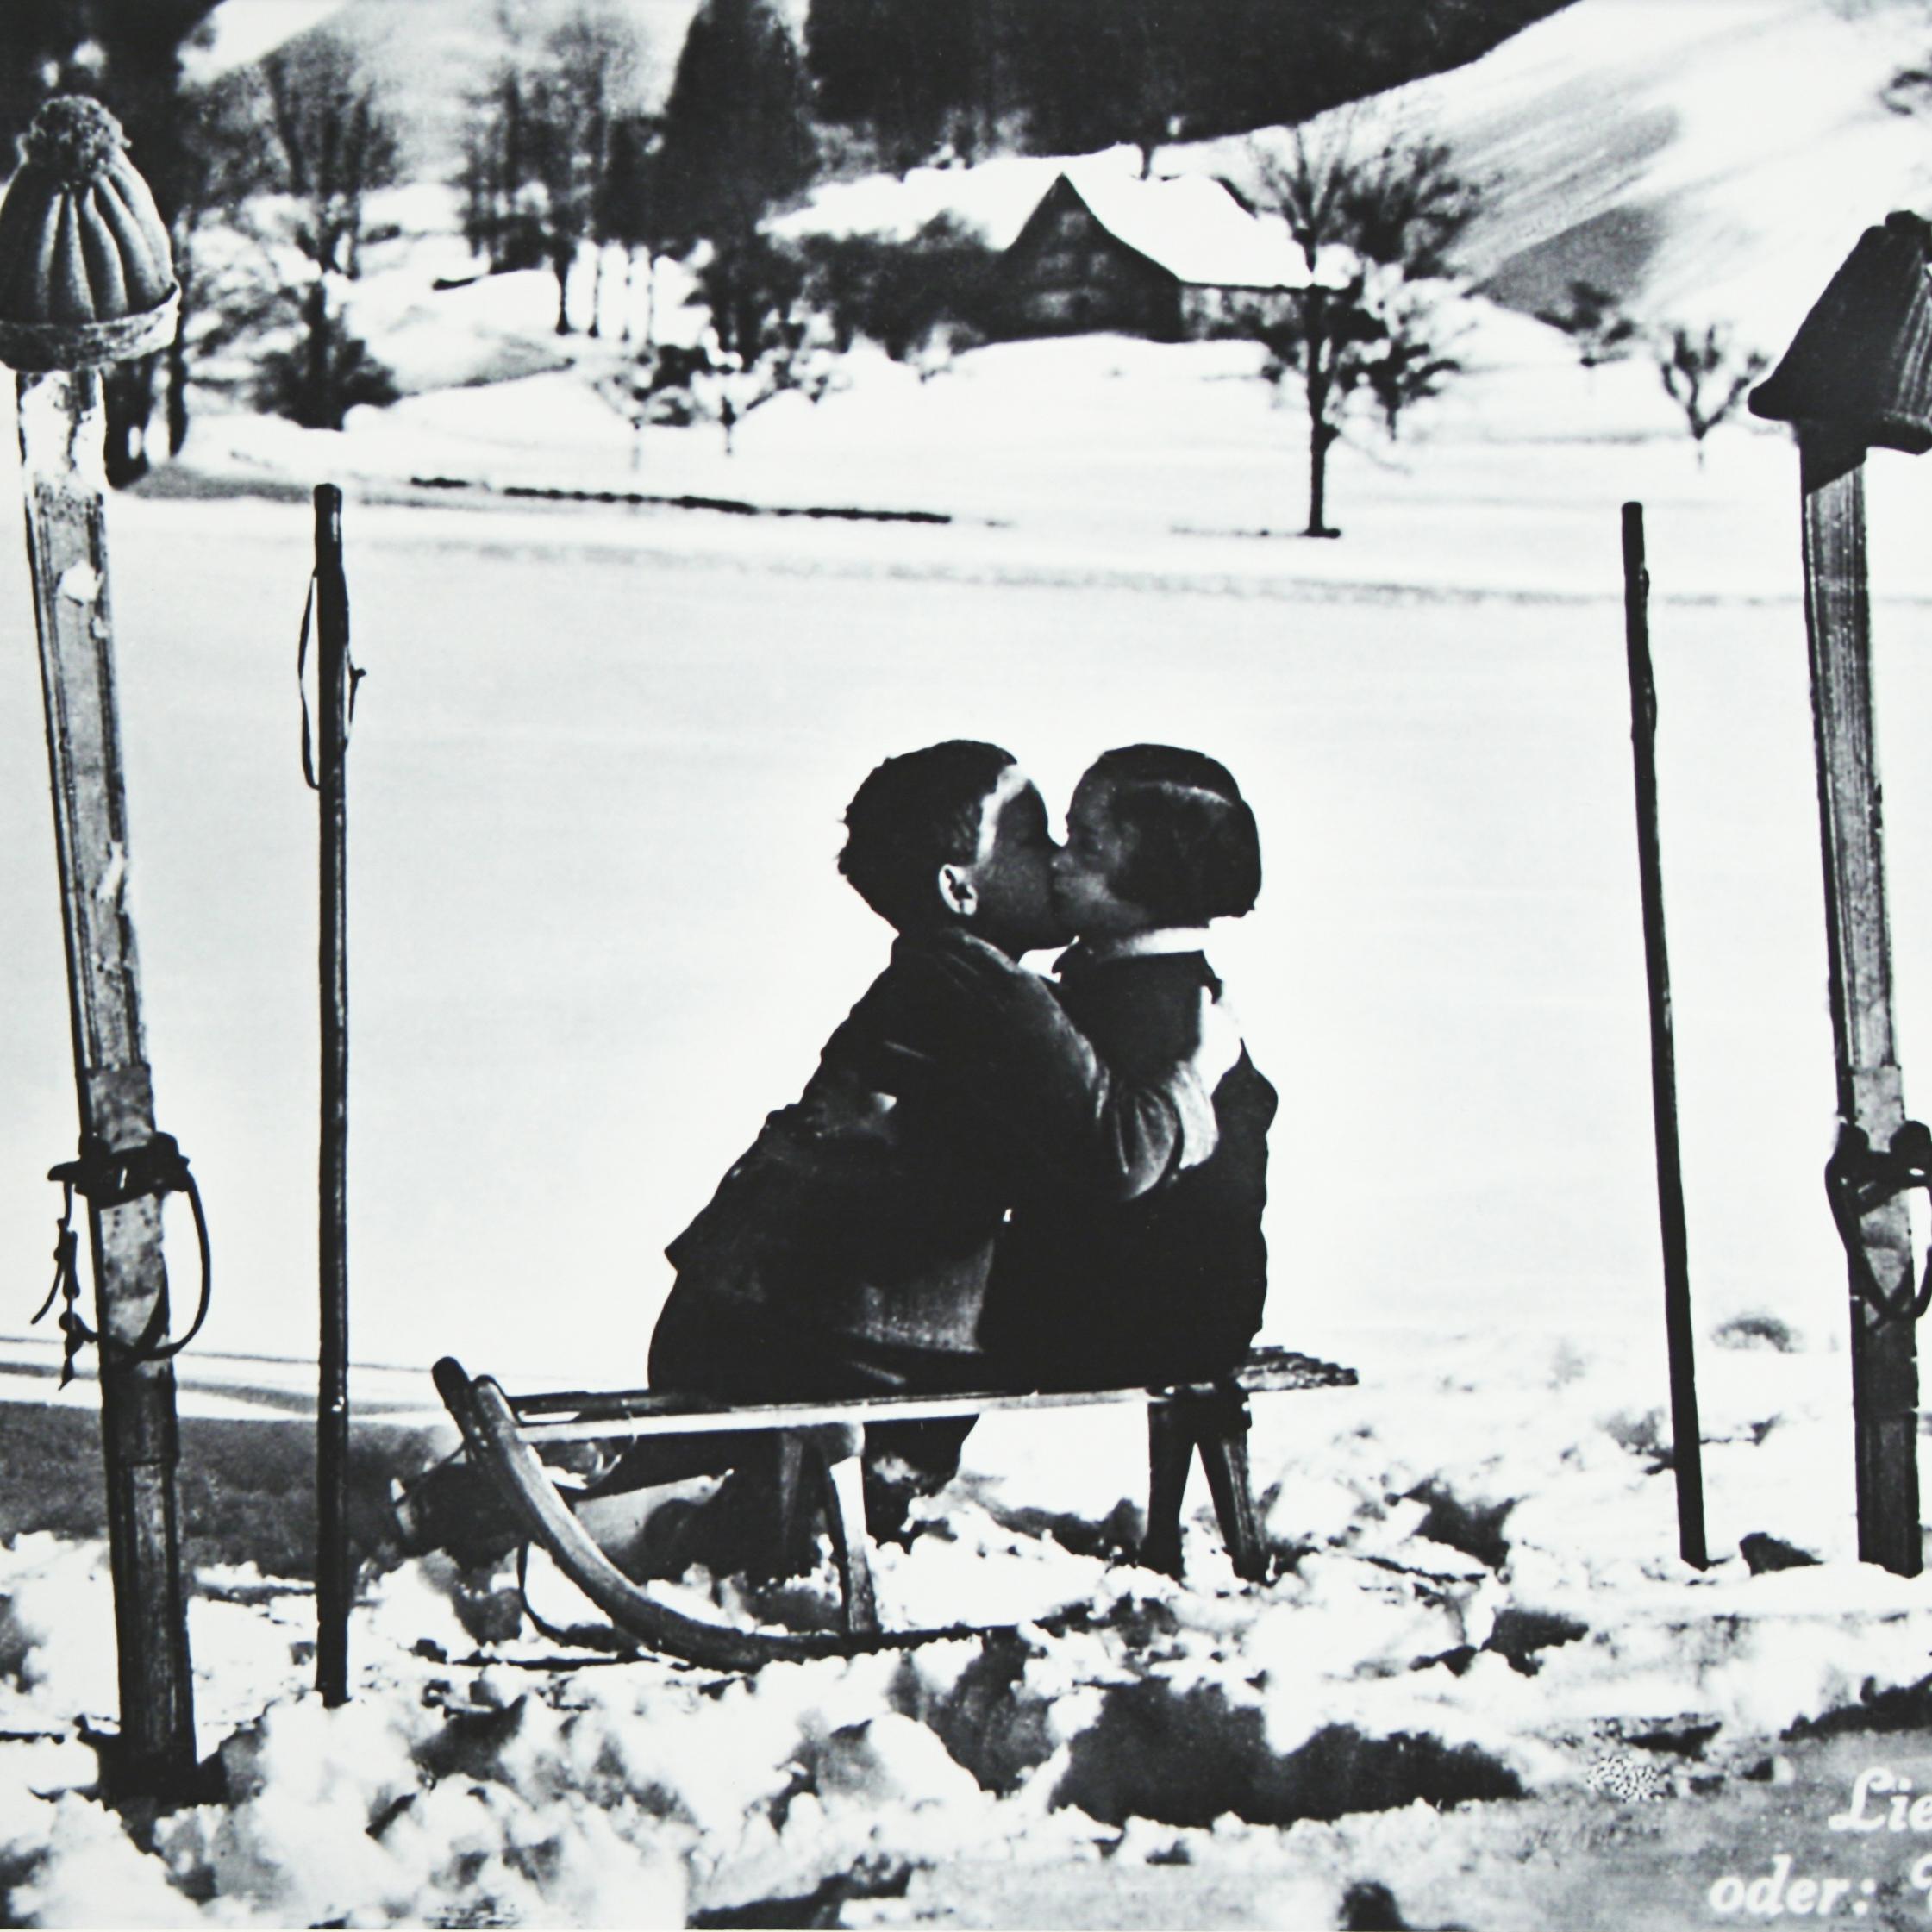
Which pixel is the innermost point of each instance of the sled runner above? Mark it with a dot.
(504, 1437)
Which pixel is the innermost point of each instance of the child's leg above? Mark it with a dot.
(732, 1355)
(704, 1348)
(735, 1356)
(904, 1461)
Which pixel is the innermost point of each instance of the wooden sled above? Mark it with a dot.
(503, 1436)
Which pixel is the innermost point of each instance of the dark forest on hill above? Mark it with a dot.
(1067, 76)
(973, 76)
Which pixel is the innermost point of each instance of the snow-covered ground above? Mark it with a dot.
(596, 934)
(1482, 1682)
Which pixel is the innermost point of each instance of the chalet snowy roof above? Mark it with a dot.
(1193, 228)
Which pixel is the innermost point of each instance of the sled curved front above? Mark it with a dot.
(490, 1432)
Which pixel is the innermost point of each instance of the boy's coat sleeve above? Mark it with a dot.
(1081, 1122)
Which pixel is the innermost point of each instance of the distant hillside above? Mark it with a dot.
(1698, 159)
(432, 54)
(1046, 67)
(1707, 160)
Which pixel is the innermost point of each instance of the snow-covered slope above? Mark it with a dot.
(429, 55)
(1703, 159)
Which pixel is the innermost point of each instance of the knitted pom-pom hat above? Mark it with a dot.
(87, 272)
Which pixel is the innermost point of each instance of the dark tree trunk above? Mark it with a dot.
(561, 255)
(319, 410)
(178, 387)
(1319, 379)
(128, 389)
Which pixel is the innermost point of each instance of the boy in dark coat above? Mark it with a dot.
(1096, 1288)
(846, 1251)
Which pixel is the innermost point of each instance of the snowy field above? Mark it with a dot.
(595, 935)
(595, 785)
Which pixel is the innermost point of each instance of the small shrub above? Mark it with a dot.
(1567, 1364)
(1757, 1330)
(1593, 319)
(318, 396)
(667, 383)
(1642, 1431)
(770, 335)
(900, 294)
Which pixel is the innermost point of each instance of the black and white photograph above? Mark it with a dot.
(959, 963)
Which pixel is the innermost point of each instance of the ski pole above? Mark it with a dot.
(336, 682)
(1687, 1450)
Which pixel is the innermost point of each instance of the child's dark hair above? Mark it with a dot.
(913, 815)
(1196, 854)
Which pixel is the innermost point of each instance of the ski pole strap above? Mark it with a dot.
(301, 690)
(353, 682)
(1860, 1179)
(109, 1178)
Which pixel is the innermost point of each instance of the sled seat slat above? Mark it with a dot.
(581, 1415)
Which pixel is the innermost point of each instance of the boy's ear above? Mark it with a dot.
(957, 891)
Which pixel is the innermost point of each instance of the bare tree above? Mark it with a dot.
(224, 162)
(1367, 225)
(585, 85)
(626, 212)
(332, 144)
(501, 221)
(542, 140)
(1706, 375)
